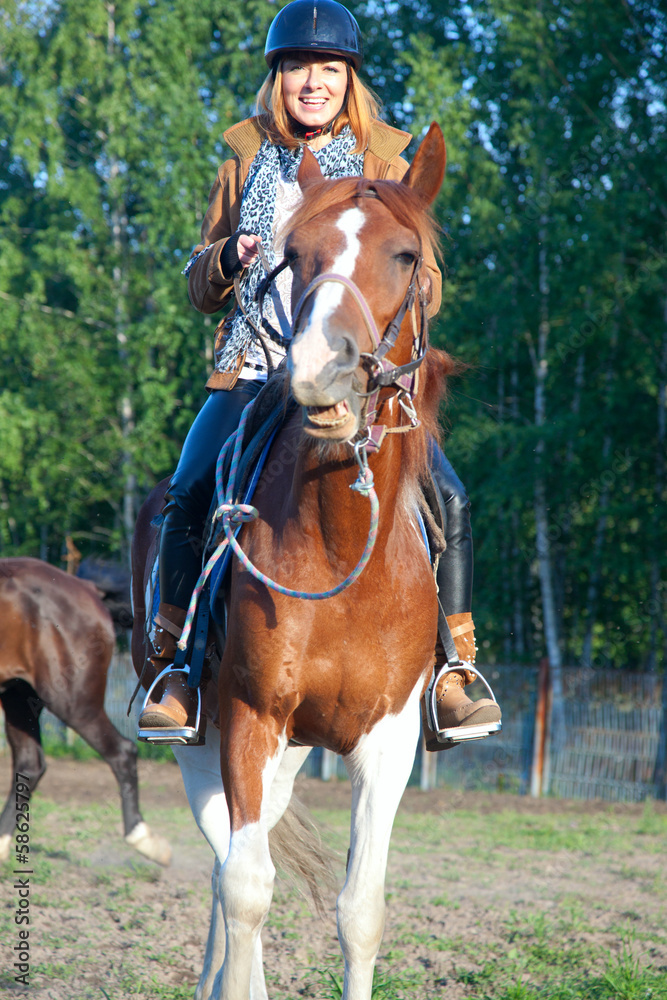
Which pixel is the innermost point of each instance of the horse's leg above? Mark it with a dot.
(379, 769)
(251, 757)
(22, 708)
(95, 727)
(200, 770)
(283, 783)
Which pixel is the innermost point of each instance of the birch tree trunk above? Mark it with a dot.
(120, 285)
(658, 630)
(601, 526)
(544, 557)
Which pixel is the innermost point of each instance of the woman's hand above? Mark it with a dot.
(246, 247)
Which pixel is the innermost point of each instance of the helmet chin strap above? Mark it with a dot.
(302, 132)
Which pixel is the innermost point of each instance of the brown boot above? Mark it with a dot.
(455, 708)
(178, 703)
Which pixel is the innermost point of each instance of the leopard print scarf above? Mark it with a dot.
(258, 204)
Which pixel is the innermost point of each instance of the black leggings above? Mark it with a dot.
(193, 484)
(191, 491)
(456, 562)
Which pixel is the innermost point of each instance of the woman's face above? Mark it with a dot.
(314, 88)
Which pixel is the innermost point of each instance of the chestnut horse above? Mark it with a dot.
(55, 648)
(347, 672)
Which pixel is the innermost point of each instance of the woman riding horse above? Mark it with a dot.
(311, 97)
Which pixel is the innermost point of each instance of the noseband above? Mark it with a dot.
(381, 372)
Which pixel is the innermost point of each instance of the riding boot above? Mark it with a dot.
(455, 709)
(178, 702)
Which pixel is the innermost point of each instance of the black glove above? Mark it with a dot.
(229, 256)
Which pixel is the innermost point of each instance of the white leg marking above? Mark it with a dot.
(246, 888)
(310, 351)
(5, 845)
(283, 783)
(150, 844)
(379, 769)
(200, 769)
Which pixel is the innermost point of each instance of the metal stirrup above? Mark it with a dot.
(165, 735)
(457, 734)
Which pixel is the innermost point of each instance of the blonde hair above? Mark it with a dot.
(360, 111)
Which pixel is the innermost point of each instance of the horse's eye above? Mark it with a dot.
(292, 257)
(407, 259)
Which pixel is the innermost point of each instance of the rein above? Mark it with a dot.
(234, 514)
(283, 339)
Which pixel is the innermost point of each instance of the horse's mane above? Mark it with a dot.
(435, 368)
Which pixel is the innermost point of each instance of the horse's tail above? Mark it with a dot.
(297, 851)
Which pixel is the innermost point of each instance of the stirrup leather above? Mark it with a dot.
(456, 734)
(164, 736)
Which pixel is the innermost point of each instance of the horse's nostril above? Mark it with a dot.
(348, 356)
(351, 350)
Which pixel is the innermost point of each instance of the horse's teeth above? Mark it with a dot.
(329, 416)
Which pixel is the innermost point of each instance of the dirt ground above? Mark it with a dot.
(455, 900)
(77, 781)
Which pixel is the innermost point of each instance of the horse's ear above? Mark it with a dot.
(427, 170)
(309, 169)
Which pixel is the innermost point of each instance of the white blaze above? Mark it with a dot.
(310, 352)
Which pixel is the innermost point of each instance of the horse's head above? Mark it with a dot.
(365, 240)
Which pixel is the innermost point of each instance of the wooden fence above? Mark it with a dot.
(615, 747)
(615, 727)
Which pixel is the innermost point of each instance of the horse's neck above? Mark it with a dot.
(322, 487)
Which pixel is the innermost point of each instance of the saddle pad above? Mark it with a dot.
(219, 571)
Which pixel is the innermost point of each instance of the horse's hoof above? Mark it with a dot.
(5, 843)
(150, 844)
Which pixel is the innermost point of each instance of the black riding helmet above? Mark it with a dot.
(319, 25)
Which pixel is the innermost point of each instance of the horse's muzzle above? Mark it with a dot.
(322, 369)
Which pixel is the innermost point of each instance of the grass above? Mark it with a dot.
(77, 749)
(594, 834)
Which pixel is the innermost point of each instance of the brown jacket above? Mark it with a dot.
(208, 288)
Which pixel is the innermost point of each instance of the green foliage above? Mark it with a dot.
(78, 749)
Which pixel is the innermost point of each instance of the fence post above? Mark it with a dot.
(428, 767)
(541, 735)
(329, 765)
(660, 772)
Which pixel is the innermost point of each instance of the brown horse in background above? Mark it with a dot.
(56, 643)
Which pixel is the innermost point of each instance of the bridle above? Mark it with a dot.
(382, 373)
